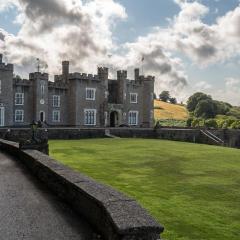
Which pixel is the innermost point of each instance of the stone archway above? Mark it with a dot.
(114, 118)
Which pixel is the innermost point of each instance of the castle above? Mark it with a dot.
(75, 99)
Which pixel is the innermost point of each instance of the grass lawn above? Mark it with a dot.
(193, 190)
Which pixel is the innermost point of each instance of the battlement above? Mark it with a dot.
(84, 76)
(5, 67)
(22, 82)
(148, 78)
(59, 85)
(121, 74)
(38, 75)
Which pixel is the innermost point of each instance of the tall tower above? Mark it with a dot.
(40, 96)
(122, 86)
(6, 93)
(65, 71)
(103, 77)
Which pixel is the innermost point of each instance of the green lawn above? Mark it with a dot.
(193, 190)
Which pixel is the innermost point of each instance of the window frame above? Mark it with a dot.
(56, 98)
(130, 118)
(136, 96)
(86, 118)
(93, 98)
(17, 98)
(59, 116)
(22, 114)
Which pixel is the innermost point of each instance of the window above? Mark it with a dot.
(90, 117)
(133, 97)
(42, 89)
(56, 116)
(19, 98)
(2, 116)
(56, 101)
(90, 93)
(133, 118)
(19, 116)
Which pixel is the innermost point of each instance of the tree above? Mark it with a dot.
(173, 100)
(205, 109)
(195, 99)
(222, 108)
(164, 96)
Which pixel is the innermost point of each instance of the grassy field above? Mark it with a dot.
(165, 110)
(193, 190)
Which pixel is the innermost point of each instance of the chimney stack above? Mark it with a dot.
(137, 74)
(65, 70)
(1, 57)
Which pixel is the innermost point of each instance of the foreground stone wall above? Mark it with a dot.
(114, 215)
(231, 138)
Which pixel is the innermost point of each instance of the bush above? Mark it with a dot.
(211, 123)
(235, 125)
(197, 122)
(189, 122)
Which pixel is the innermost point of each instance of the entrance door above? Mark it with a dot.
(42, 116)
(2, 116)
(113, 119)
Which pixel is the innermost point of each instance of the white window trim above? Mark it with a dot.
(22, 97)
(59, 119)
(22, 114)
(94, 94)
(129, 120)
(58, 97)
(95, 117)
(133, 94)
(2, 120)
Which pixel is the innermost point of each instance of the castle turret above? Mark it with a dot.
(65, 71)
(6, 93)
(122, 85)
(103, 73)
(137, 74)
(40, 95)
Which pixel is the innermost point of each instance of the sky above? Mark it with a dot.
(187, 45)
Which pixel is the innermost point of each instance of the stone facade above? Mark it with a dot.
(76, 99)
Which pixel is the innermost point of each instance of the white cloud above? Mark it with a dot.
(61, 29)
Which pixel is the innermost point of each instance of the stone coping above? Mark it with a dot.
(114, 215)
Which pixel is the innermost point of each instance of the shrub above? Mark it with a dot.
(189, 122)
(235, 125)
(211, 123)
(197, 122)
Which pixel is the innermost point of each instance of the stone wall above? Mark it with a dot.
(114, 215)
(231, 138)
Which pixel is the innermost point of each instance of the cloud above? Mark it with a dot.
(62, 29)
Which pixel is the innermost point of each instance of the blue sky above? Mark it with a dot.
(218, 77)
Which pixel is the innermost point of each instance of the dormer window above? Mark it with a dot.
(133, 97)
(90, 94)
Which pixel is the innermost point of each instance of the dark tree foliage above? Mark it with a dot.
(222, 108)
(173, 100)
(205, 109)
(164, 96)
(195, 99)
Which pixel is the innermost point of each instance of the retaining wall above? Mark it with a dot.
(231, 138)
(114, 215)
